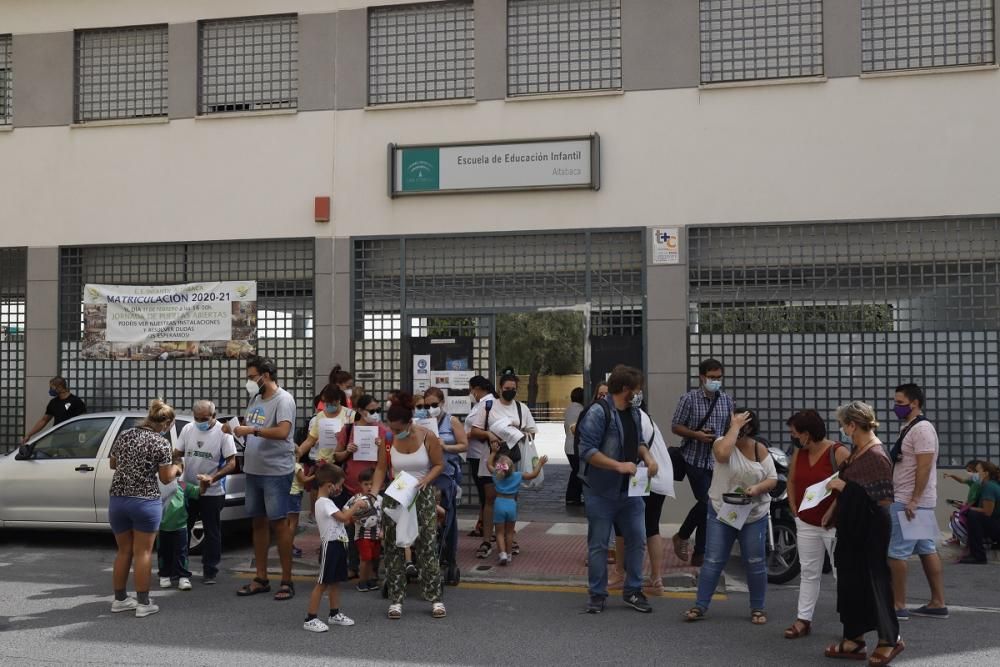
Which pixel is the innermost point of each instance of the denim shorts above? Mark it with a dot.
(504, 511)
(901, 549)
(294, 503)
(141, 514)
(268, 495)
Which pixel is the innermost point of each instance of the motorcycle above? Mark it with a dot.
(782, 544)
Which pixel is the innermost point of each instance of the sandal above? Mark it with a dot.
(478, 530)
(484, 550)
(681, 547)
(758, 617)
(798, 629)
(694, 614)
(515, 549)
(438, 610)
(840, 652)
(654, 587)
(395, 611)
(879, 660)
(286, 591)
(263, 586)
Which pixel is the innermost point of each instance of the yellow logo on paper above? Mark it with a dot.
(242, 290)
(93, 293)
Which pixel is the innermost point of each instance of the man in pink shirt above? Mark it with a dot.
(914, 479)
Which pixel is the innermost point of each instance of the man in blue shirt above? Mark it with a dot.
(702, 415)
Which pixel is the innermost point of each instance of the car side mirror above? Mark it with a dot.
(25, 453)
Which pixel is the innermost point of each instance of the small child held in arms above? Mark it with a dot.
(300, 482)
(331, 521)
(172, 550)
(507, 480)
(369, 528)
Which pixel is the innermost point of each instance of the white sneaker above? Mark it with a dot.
(143, 610)
(340, 619)
(165, 582)
(184, 584)
(128, 604)
(504, 558)
(315, 625)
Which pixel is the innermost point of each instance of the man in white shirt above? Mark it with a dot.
(208, 454)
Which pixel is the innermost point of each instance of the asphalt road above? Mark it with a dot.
(55, 599)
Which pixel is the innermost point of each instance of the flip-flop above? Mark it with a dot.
(285, 592)
(264, 586)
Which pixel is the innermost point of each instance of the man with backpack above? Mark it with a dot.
(611, 446)
(702, 415)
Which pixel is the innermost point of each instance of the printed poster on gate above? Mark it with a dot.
(211, 320)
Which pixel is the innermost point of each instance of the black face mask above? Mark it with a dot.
(509, 394)
(796, 443)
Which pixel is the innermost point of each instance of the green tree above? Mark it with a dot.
(537, 344)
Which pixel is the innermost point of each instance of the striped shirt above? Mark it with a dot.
(691, 410)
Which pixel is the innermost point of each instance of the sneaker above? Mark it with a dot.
(485, 550)
(184, 584)
(638, 602)
(143, 610)
(373, 585)
(595, 605)
(315, 625)
(902, 614)
(341, 620)
(165, 582)
(515, 549)
(208, 581)
(931, 612)
(411, 571)
(363, 586)
(504, 558)
(128, 604)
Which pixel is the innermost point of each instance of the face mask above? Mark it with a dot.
(973, 476)
(902, 411)
(203, 426)
(53, 393)
(420, 413)
(637, 400)
(402, 435)
(796, 443)
(331, 408)
(372, 417)
(252, 388)
(509, 394)
(713, 385)
(435, 412)
(349, 391)
(844, 437)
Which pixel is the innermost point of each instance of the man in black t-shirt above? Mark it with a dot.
(63, 406)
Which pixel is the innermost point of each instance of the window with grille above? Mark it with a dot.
(750, 40)
(817, 315)
(554, 46)
(121, 73)
(421, 53)
(916, 34)
(6, 81)
(13, 314)
(249, 64)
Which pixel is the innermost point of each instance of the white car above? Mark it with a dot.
(61, 478)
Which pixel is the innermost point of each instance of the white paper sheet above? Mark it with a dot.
(364, 438)
(638, 484)
(328, 431)
(458, 405)
(816, 494)
(234, 424)
(734, 515)
(403, 489)
(923, 526)
(459, 380)
(430, 424)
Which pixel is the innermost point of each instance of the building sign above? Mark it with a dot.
(543, 164)
(666, 246)
(196, 320)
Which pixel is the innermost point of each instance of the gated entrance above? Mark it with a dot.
(13, 293)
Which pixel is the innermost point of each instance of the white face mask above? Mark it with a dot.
(252, 388)
(372, 417)
(349, 391)
(435, 412)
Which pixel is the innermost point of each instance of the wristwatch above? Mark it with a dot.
(256, 433)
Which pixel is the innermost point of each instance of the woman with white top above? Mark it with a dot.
(744, 475)
(416, 451)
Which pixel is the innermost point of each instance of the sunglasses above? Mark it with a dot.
(374, 411)
(432, 405)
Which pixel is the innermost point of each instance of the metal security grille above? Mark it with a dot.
(747, 40)
(121, 73)
(912, 34)
(6, 81)
(249, 64)
(285, 278)
(814, 316)
(476, 276)
(13, 296)
(554, 46)
(419, 53)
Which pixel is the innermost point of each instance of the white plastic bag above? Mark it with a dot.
(663, 482)
(529, 458)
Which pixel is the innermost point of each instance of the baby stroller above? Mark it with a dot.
(449, 484)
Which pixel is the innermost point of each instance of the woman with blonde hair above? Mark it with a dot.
(140, 456)
(861, 514)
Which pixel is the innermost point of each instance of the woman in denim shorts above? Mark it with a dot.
(139, 457)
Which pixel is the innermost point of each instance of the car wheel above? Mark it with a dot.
(195, 537)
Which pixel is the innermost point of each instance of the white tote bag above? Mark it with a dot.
(663, 482)
(529, 457)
